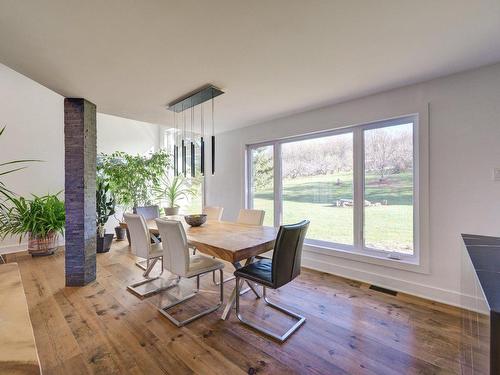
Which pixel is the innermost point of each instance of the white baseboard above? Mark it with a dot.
(448, 297)
(14, 248)
(23, 246)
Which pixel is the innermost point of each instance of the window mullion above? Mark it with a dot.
(278, 186)
(249, 179)
(358, 185)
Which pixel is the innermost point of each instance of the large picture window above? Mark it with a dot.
(356, 185)
(388, 188)
(317, 177)
(262, 186)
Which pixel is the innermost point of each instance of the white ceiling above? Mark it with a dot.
(273, 57)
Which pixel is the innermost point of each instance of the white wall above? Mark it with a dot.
(464, 121)
(121, 134)
(34, 116)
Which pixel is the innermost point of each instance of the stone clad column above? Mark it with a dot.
(80, 141)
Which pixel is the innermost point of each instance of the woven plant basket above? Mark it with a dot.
(40, 246)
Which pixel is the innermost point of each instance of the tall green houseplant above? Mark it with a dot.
(105, 207)
(133, 178)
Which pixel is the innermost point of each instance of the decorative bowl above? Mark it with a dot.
(195, 220)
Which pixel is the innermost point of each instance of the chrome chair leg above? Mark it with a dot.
(180, 323)
(149, 267)
(280, 338)
(236, 266)
(134, 288)
(142, 264)
(164, 285)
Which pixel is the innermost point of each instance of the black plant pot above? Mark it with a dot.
(120, 233)
(104, 243)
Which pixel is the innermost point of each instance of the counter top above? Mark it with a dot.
(484, 253)
(18, 354)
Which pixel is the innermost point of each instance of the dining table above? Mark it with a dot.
(232, 242)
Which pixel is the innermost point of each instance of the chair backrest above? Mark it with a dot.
(251, 217)
(148, 212)
(213, 213)
(288, 252)
(140, 239)
(175, 246)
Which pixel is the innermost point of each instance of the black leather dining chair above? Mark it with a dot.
(276, 272)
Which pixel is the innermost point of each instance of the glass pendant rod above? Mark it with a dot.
(202, 142)
(213, 139)
(184, 167)
(193, 161)
(176, 148)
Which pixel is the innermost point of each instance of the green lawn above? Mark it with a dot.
(388, 225)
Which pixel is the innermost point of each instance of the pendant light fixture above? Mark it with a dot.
(213, 139)
(184, 145)
(176, 148)
(190, 101)
(193, 161)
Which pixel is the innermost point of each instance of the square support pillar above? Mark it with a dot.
(80, 142)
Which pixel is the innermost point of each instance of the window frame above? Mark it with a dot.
(358, 248)
(416, 213)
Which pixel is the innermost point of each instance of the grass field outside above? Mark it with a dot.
(388, 218)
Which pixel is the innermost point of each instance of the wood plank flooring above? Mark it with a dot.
(104, 329)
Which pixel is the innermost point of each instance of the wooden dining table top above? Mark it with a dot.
(225, 240)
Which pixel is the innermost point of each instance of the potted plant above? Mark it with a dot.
(121, 230)
(173, 190)
(105, 207)
(42, 218)
(132, 179)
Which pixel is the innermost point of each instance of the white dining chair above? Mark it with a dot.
(213, 212)
(148, 213)
(140, 242)
(251, 217)
(247, 217)
(178, 261)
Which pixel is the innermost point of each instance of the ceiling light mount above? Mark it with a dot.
(192, 99)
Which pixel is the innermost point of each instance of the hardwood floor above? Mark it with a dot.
(102, 328)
